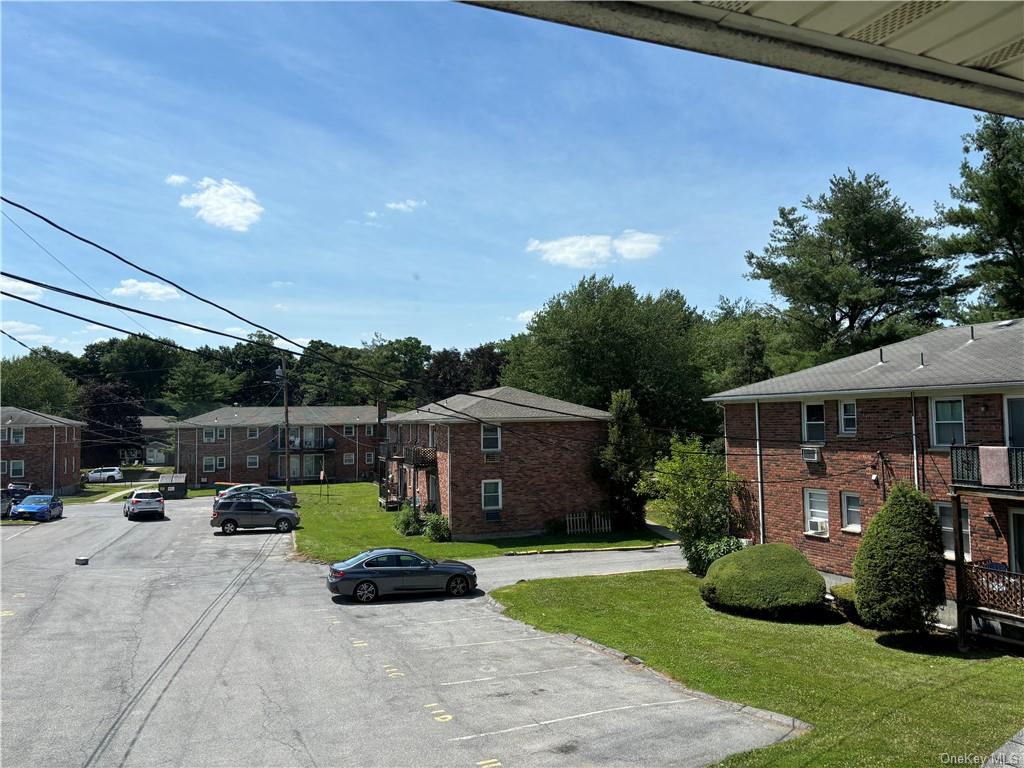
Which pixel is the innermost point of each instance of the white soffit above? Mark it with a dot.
(970, 54)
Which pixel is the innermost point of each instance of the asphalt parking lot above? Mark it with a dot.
(177, 646)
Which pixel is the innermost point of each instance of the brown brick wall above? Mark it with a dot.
(882, 447)
(41, 466)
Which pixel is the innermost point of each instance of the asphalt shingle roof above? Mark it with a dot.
(952, 360)
(298, 415)
(156, 422)
(11, 416)
(500, 404)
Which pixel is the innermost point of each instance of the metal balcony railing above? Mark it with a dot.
(966, 467)
(417, 456)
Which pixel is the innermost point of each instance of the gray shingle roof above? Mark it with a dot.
(995, 358)
(11, 416)
(298, 415)
(500, 404)
(156, 422)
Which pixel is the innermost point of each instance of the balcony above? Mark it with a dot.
(296, 446)
(1003, 471)
(418, 457)
(995, 588)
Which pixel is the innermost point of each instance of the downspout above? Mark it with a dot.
(195, 477)
(913, 433)
(451, 526)
(177, 450)
(53, 468)
(760, 470)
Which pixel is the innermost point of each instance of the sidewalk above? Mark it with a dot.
(146, 485)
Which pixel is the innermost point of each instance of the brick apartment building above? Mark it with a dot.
(40, 448)
(943, 412)
(248, 445)
(529, 462)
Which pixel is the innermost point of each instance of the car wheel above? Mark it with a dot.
(284, 525)
(457, 586)
(229, 527)
(365, 592)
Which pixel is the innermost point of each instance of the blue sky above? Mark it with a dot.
(429, 169)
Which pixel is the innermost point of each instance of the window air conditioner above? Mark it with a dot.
(817, 526)
(810, 454)
(492, 458)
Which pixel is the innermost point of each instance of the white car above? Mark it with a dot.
(143, 503)
(105, 475)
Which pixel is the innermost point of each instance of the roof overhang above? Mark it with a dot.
(1006, 388)
(969, 54)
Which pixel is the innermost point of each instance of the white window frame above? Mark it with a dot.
(17, 435)
(934, 424)
(252, 432)
(348, 430)
(483, 437)
(847, 525)
(804, 423)
(843, 430)
(209, 463)
(431, 436)
(368, 430)
(348, 459)
(222, 433)
(252, 462)
(17, 467)
(369, 458)
(3, 466)
(807, 512)
(484, 495)
(950, 554)
(3, 434)
(222, 462)
(209, 434)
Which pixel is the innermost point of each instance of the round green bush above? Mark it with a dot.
(407, 523)
(899, 567)
(771, 580)
(437, 528)
(846, 600)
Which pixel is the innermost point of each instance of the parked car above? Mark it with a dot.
(38, 507)
(104, 475)
(280, 493)
(6, 502)
(23, 485)
(239, 511)
(388, 571)
(143, 503)
(275, 501)
(235, 489)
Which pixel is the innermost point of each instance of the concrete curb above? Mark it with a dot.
(797, 727)
(1011, 753)
(602, 549)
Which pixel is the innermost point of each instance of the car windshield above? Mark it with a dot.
(36, 500)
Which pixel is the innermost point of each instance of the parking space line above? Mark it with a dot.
(573, 717)
(513, 674)
(485, 642)
(443, 621)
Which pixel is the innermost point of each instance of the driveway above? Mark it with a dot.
(179, 646)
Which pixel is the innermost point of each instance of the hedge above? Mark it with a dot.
(770, 580)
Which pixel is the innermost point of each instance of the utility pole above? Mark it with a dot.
(287, 430)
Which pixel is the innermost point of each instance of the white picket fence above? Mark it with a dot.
(588, 522)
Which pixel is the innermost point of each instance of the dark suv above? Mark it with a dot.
(236, 512)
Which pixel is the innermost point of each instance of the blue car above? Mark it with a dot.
(41, 508)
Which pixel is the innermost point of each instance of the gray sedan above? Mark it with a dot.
(389, 571)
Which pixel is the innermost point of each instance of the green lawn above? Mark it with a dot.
(5, 521)
(351, 522)
(94, 491)
(873, 699)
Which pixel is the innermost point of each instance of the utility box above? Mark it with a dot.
(173, 486)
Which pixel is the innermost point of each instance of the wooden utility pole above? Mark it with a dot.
(962, 615)
(287, 430)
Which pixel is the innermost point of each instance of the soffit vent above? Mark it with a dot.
(1000, 56)
(733, 6)
(896, 20)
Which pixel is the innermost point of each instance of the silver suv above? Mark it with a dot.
(230, 514)
(143, 503)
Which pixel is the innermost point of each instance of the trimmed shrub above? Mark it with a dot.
(769, 580)
(899, 567)
(846, 600)
(703, 552)
(407, 523)
(437, 528)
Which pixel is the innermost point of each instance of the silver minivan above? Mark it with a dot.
(230, 514)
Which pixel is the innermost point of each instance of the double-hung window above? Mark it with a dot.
(3, 467)
(490, 437)
(222, 462)
(368, 458)
(209, 434)
(251, 432)
(851, 511)
(349, 458)
(814, 422)
(221, 433)
(252, 462)
(209, 463)
(490, 499)
(945, 513)
(848, 417)
(17, 467)
(368, 430)
(948, 421)
(431, 436)
(17, 435)
(348, 430)
(3, 434)
(816, 512)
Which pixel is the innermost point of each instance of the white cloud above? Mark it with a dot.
(281, 307)
(38, 339)
(19, 328)
(146, 290)
(587, 251)
(406, 206)
(526, 315)
(235, 330)
(224, 203)
(189, 330)
(281, 283)
(18, 288)
(90, 328)
(372, 214)
(176, 180)
(300, 341)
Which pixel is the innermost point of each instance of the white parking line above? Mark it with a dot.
(19, 533)
(443, 621)
(514, 674)
(572, 717)
(486, 642)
